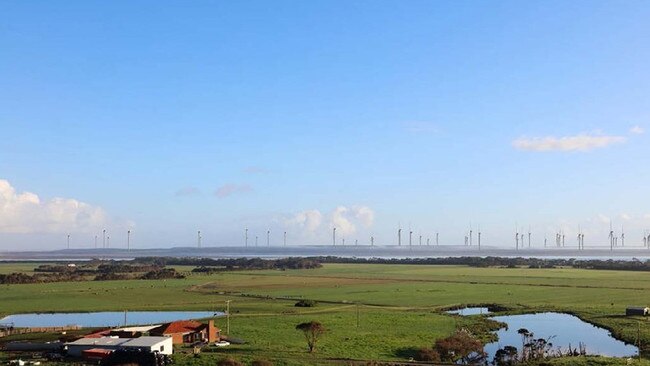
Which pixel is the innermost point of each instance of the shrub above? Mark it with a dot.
(305, 303)
(229, 362)
(427, 354)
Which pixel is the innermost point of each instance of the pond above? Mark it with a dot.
(564, 329)
(470, 311)
(103, 319)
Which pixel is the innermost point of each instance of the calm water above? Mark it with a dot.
(104, 319)
(566, 329)
(470, 311)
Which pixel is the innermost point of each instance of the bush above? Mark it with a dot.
(229, 362)
(262, 363)
(305, 303)
(427, 354)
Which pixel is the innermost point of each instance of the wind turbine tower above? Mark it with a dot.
(104, 238)
(528, 236)
(437, 236)
(622, 237)
(128, 240)
(284, 239)
(334, 236)
(399, 237)
(246, 237)
(268, 238)
(68, 241)
(198, 239)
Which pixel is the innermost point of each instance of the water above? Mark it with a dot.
(566, 329)
(103, 319)
(470, 311)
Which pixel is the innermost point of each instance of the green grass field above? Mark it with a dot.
(399, 305)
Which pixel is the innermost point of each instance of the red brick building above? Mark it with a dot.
(188, 331)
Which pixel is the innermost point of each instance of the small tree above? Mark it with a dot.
(312, 330)
(460, 346)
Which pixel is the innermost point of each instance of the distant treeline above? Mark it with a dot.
(98, 271)
(230, 264)
(610, 264)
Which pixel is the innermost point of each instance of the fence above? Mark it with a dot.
(11, 331)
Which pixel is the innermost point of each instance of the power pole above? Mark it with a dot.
(228, 317)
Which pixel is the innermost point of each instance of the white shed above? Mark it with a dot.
(161, 345)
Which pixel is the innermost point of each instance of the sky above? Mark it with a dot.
(300, 116)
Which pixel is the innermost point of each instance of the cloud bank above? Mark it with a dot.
(24, 213)
(231, 189)
(316, 226)
(582, 142)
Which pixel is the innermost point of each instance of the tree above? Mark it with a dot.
(312, 330)
(460, 346)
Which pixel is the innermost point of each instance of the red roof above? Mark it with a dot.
(181, 326)
(99, 334)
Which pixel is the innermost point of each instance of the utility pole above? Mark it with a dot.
(228, 317)
(357, 315)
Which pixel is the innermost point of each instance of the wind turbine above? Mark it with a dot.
(334, 236)
(611, 236)
(246, 237)
(372, 241)
(255, 241)
(528, 236)
(284, 241)
(437, 236)
(95, 241)
(622, 237)
(198, 239)
(399, 237)
(104, 238)
(268, 238)
(128, 239)
(68, 241)
(410, 239)
(516, 238)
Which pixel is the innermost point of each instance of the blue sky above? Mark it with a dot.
(299, 116)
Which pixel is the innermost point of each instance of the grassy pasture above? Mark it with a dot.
(399, 304)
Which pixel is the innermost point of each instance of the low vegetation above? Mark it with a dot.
(399, 311)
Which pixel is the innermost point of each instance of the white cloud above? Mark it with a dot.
(637, 130)
(230, 189)
(187, 191)
(314, 225)
(26, 213)
(420, 127)
(582, 142)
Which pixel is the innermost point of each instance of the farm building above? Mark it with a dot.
(637, 310)
(188, 331)
(162, 345)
